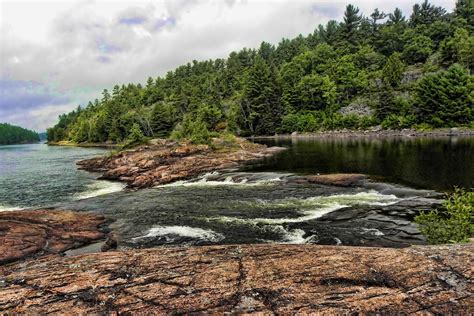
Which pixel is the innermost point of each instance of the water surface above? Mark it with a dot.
(37, 175)
(422, 162)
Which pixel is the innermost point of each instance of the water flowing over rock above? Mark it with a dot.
(260, 279)
(27, 233)
(166, 161)
(338, 179)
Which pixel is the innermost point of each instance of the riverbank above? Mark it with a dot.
(85, 145)
(260, 279)
(376, 133)
(165, 161)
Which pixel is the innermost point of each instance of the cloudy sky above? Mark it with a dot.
(55, 55)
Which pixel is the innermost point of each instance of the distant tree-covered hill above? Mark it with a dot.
(11, 134)
(361, 71)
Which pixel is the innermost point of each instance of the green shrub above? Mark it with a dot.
(454, 223)
(135, 137)
(192, 129)
(394, 121)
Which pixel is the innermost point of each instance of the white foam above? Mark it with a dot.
(372, 231)
(295, 236)
(99, 187)
(209, 180)
(7, 208)
(185, 231)
(315, 207)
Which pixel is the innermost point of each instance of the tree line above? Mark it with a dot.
(414, 71)
(11, 134)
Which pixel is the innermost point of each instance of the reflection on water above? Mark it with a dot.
(434, 163)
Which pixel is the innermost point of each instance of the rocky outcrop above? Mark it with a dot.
(166, 161)
(28, 233)
(260, 279)
(338, 179)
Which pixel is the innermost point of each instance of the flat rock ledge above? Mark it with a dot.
(246, 279)
(28, 233)
(165, 161)
(338, 179)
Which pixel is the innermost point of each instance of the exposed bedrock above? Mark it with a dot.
(264, 279)
(166, 161)
(28, 233)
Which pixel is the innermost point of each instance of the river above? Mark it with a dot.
(261, 203)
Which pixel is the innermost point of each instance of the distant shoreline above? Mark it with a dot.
(444, 132)
(87, 145)
(22, 143)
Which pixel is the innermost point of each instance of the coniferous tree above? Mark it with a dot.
(445, 98)
(350, 26)
(426, 13)
(11, 134)
(392, 72)
(386, 104)
(261, 99)
(396, 17)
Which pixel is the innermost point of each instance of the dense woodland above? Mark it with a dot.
(10, 134)
(383, 69)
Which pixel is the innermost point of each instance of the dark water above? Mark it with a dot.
(36, 175)
(428, 163)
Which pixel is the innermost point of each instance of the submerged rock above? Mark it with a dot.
(28, 233)
(338, 179)
(260, 279)
(165, 161)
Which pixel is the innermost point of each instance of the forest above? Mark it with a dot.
(11, 134)
(385, 69)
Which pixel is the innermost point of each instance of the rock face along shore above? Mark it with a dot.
(263, 279)
(166, 161)
(29, 233)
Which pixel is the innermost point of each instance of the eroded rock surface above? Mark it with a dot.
(264, 279)
(338, 179)
(166, 161)
(26, 233)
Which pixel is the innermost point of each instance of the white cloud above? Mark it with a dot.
(91, 45)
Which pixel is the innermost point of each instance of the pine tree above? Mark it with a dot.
(135, 136)
(396, 17)
(261, 106)
(386, 104)
(161, 120)
(392, 72)
(445, 98)
(350, 26)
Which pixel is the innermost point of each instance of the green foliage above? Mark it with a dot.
(135, 137)
(300, 83)
(162, 119)
(261, 106)
(453, 223)
(418, 49)
(211, 115)
(11, 134)
(392, 72)
(458, 49)
(312, 121)
(315, 92)
(445, 98)
(394, 121)
(192, 129)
